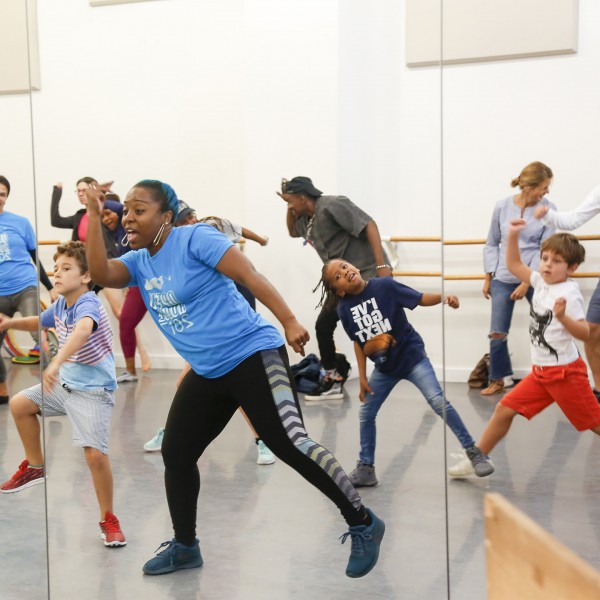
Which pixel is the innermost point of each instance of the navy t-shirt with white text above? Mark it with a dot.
(376, 320)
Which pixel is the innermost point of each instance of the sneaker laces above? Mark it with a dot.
(359, 540)
(111, 524)
(477, 457)
(22, 468)
(166, 545)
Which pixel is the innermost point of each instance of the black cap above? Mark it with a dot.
(184, 211)
(301, 185)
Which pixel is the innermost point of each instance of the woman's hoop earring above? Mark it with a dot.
(124, 241)
(156, 241)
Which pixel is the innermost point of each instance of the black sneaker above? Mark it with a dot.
(330, 388)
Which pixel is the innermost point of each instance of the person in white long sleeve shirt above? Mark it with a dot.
(572, 219)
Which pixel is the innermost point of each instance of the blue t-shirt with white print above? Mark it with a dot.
(375, 319)
(199, 309)
(17, 239)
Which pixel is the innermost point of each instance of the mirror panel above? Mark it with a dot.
(498, 117)
(222, 100)
(23, 514)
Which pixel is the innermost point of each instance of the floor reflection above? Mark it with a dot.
(265, 533)
(545, 468)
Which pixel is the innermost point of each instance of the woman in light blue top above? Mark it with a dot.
(503, 287)
(18, 276)
(236, 359)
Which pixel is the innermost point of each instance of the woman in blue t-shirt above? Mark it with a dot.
(237, 359)
(372, 313)
(18, 277)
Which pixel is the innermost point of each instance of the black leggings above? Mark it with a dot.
(201, 409)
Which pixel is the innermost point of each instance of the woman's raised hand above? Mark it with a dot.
(95, 196)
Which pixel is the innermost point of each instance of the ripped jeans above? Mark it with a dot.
(502, 312)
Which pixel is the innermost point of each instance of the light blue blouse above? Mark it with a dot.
(530, 238)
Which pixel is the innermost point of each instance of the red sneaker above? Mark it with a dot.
(111, 531)
(25, 477)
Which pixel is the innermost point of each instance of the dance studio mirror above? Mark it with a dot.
(23, 562)
(532, 99)
(222, 99)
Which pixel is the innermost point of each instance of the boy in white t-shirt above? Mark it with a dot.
(556, 317)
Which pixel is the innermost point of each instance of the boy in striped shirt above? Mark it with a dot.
(79, 382)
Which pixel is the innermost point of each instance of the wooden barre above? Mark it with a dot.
(590, 274)
(395, 238)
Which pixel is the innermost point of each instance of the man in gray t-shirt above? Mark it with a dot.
(336, 228)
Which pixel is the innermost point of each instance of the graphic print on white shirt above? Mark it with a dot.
(538, 323)
(551, 343)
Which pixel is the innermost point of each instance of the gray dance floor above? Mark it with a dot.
(267, 534)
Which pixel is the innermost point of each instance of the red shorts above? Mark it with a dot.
(567, 385)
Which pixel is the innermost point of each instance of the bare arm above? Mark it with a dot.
(107, 273)
(290, 218)
(263, 240)
(20, 323)
(578, 329)
(428, 299)
(82, 331)
(513, 256)
(374, 239)
(361, 361)
(237, 267)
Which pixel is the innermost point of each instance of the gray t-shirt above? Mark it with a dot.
(338, 231)
(232, 230)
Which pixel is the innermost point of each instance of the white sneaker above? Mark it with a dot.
(125, 377)
(464, 467)
(327, 391)
(155, 444)
(265, 456)
(508, 382)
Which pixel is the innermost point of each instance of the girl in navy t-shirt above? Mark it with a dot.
(372, 313)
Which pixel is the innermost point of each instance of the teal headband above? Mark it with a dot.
(168, 191)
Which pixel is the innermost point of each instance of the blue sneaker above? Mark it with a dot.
(365, 546)
(174, 557)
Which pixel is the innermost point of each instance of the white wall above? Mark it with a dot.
(497, 118)
(222, 98)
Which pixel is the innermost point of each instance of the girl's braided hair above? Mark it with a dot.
(329, 299)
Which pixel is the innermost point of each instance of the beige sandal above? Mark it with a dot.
(495, 387)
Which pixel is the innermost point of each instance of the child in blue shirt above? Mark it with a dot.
(79, 382)
(372, 313)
